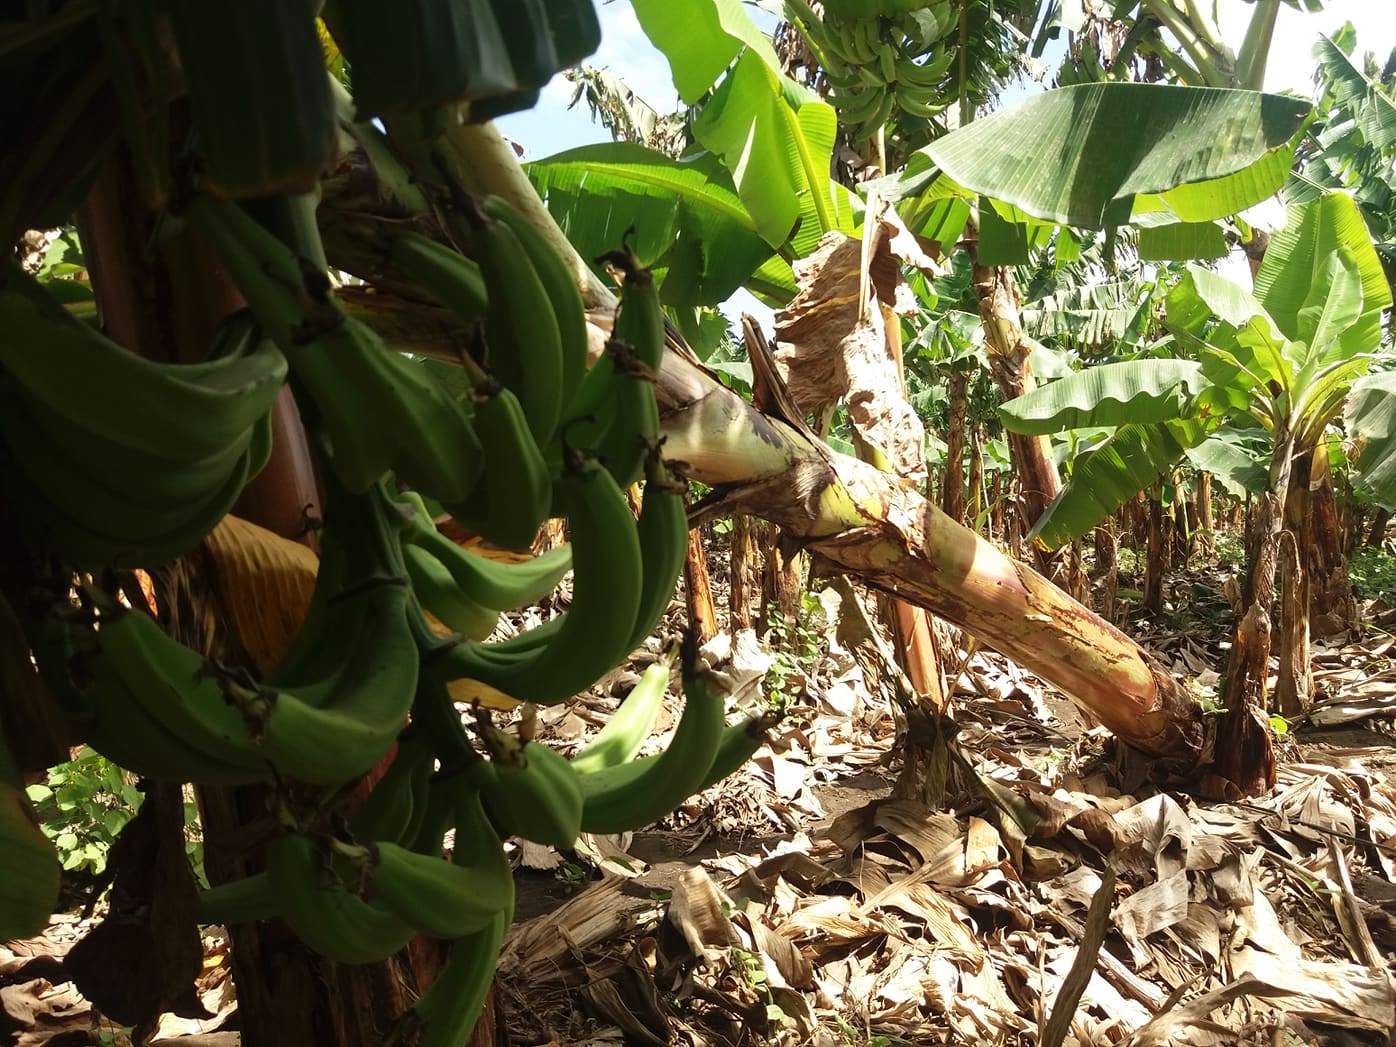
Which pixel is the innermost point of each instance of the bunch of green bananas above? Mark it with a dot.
(532, 430)
(116, 459)
(359, 896)
(880, 56)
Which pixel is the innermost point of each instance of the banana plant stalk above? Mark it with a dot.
(1008, 360)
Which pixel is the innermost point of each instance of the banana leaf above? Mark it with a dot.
(1104, 479)
(1297, 275)
(683, 215)
(1092, 155)
(1371, 415)
(777, 140)
(774, 136)
(1375, 112)
(1239, 459)
(1135, 391)
(1182, 241)
(700, 38)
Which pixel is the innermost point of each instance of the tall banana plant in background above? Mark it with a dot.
(1281, 361)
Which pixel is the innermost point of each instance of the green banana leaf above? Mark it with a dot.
(774, 136)
(1104, 479)
(1239, 459)
(700, 38)
(1202, 296)
(1093, 155)
(1297, 275)
(1376, 113)
(1134, 391)
(1090, 317)
(684, 218)
(778, 147)
(1182, 241)
(1371, 414)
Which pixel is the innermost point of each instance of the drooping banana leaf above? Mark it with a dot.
(1134, 391)
(1238, 458)
(1104, 479)
(683, 215)
(1182, 241)
(1090, 155)
(1371, 415)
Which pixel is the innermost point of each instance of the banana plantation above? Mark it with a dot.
(809, 522)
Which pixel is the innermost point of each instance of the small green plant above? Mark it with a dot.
(796, 645)
(1231, 551)
(82, 807)
(573, 874)
(1373, 573)
(1128, 562)
(749, 970)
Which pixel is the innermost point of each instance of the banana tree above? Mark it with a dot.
(1283, 362)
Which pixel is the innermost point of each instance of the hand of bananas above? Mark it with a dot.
(879, 55)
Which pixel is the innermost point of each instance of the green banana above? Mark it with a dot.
(887, 63)
(121, 730)
(557, 278)
(387, 812)
(445, 274)
(607, 580)
(617, 800)
(379, 410)
(338, 738)
(173, 685)
(884, 110)
(238, 901)
(629, 725)
(440, 594)
(436, 820)
(639, 326)
(927, 74)
(925, 111)
(263, 115)
(29, 870)
(534, 795)
(447, 899)
(516, 495)
(209, 404)
(663, 533)
(521, 329)
(857, 107)
(333, 921)
(85, 545)
(490, 583)
(322, 729)
(448, 1010)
